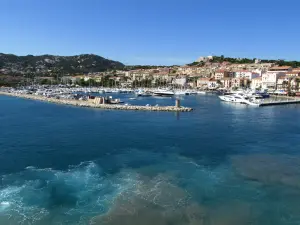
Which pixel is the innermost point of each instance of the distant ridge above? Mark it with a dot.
(51, 65)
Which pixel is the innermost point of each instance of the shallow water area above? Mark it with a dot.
(220, 164)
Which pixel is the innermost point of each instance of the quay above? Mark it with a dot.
(176, 108)
(287, 101)
(280, 100)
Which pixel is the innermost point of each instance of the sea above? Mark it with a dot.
(221, 164)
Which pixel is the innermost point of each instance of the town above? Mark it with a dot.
(204, 74)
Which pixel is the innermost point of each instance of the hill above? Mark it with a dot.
(221, 59)
(51, 65)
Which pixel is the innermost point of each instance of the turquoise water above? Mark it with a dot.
(222, 164)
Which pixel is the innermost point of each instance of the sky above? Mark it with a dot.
(152, 32)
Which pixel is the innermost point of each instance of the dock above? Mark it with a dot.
(270, 102)
(87, 104)
(281, 102)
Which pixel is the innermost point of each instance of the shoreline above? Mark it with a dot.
(86, 104)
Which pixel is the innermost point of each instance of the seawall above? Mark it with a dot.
(79, 103)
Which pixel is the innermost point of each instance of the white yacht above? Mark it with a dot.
(162, 92)
(142, 93)
(237, 98)
(180, 92)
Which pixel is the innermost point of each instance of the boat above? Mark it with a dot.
(180, 92)
(241, 98)
(236, 98)
(142, 93)
(201, 92)
(192, 92)
(164, 93)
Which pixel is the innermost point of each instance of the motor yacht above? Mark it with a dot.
(162, 92)
(236, 98)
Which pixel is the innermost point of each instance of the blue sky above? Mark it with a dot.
(161, 32)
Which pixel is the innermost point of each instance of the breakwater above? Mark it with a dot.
(80, 103)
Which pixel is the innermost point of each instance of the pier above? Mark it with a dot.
(286, 101)
(280, 100)
(88, 104)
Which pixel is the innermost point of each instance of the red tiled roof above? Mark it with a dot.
(293, 72)
(280, 67)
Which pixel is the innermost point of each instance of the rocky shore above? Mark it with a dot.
(101, 106)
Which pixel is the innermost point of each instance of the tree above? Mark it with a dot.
(45, 82)
(285, 84)
(297, 80)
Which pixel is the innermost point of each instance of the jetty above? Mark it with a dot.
(281, 101)
(92, 104)
(270, 102)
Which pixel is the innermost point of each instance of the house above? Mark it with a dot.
(269, 79)
(280, 68)
(187, 69)
(201, 82)
(226, 82)
(246, 74)
(296, 69)
(239, 82)
(179, 81)
(283, 82)
(256, 83)
(220, 74)
(212, 84)
(293, 73)
(161, 76)
(139, 75)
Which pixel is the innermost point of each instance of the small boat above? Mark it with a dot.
(201, 92)
(141, 93)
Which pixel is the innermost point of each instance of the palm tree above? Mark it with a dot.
(285, 84)
(297, 80)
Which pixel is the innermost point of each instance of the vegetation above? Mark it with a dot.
(222, 58)
(50, 65)
(142, 67)
(293, 64)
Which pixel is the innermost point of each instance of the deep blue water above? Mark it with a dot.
(222, 164)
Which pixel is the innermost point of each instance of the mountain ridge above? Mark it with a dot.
(51, 65)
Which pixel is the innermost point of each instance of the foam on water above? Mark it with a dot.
(116, 187)
(82, 191)
(76, 195)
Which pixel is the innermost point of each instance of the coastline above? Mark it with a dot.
(79, 103)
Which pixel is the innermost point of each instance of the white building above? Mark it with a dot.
(246, 74)
(269, 79)
(256, 83)
(179, 81)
